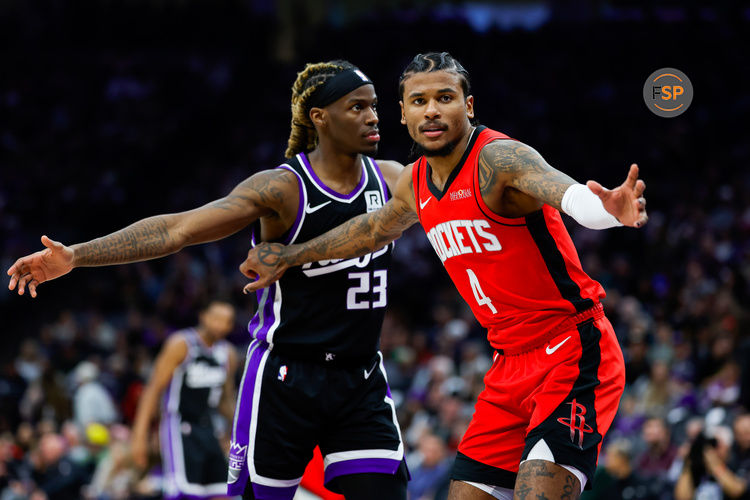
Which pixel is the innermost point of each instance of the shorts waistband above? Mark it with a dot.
(591, 314)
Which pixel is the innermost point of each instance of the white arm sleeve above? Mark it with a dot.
(586, 208)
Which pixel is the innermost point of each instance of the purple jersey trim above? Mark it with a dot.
(262, 492)
(383, 185)
(292, 235)
(319, 183)
(240, 446)
(361, 465)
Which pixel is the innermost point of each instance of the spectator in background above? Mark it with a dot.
(55, 474)
(617, 479)
(705, 475)
(659, 454)
(433, 469)
(91, 401)
(740, 459)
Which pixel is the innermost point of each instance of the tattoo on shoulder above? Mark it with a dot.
(529, 172)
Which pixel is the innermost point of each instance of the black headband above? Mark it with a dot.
(337, 87)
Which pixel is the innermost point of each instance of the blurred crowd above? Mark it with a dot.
(94, 139)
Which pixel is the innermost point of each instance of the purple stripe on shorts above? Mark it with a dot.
(325, 188)
(300, 208)
(262, 492)
(240, 445)
(264, 317)
(360, 465)
(383, 185)
(268, 317)
(165, 438)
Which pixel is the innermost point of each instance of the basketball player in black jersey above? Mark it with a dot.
(196, 367)
(313, 374)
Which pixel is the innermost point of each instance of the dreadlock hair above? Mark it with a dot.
(303, 136)
(435, 61)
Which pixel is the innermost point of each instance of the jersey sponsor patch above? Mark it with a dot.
(459, 237)
(460, 194)
(374, 200)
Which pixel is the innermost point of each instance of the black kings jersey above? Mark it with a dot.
(331, 310)
(197, 382)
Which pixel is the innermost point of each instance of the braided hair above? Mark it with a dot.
(303, 136)
(435, 61)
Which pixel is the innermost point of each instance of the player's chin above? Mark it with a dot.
(369, 149)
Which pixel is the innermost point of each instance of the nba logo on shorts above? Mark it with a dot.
(282, 373)
(374, 200)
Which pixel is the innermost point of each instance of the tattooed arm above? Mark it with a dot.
(515, 177)
(365, 233)
(263, 194)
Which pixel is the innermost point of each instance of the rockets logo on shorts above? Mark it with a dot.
(576, 422)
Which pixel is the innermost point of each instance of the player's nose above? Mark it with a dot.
(431, 111)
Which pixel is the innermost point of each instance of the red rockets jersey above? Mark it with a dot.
(521, 276)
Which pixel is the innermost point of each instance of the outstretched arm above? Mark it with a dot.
(260, 195)
(365, 233)
(512, 164)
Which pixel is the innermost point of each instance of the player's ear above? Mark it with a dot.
(318, 116)
(470, 106)
(403, 117)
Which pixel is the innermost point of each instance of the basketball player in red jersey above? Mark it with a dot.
(491, 206)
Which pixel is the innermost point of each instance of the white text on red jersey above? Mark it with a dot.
(459, 237)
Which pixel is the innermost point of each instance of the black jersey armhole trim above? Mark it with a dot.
(456, 170)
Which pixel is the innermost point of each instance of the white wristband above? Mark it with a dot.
(586, 208)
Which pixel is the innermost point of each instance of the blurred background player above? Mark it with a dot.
(313, 374)
(196, 367)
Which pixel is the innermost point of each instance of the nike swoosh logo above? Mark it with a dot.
(553, 349)
(367, 374)
(309, 209)
(422, 205)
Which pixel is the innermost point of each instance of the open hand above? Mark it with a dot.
(44, 265)
(265, 263)
(626, 202)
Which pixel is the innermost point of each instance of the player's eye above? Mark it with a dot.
(357, 107)
(446, 98)
(418, 101)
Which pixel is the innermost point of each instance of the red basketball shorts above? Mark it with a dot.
(562, 396)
